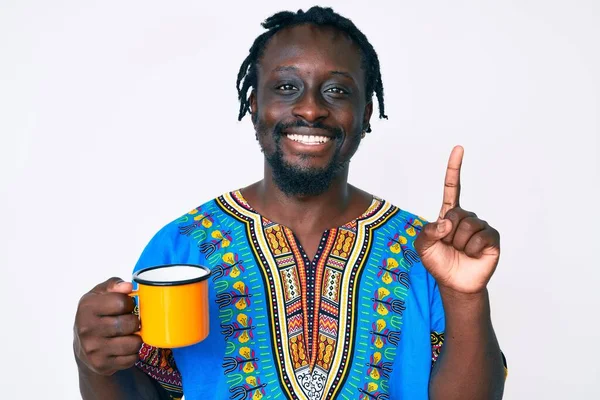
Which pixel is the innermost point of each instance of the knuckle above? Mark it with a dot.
(478, 240)
(85, 302)
(120, 302)
(115, 301)
(91, 305)
(85, 309)
(112, 281)
(114, 304)
(96, 362)
(82, 330)
(469, 224)
(103, 287)
(90, 348)
(454, 214)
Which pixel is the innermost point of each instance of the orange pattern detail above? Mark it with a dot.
(277, 240)
(326, 348)
(318, 280)
(298, 351)
(343, 244)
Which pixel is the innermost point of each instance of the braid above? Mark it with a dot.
(247, 75)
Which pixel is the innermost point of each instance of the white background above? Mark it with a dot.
(117, 117)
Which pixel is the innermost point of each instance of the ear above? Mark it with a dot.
(367, 116)
(253, 107)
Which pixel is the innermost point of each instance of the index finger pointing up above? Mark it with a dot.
(452, 181)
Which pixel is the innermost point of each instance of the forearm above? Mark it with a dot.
(470, 364)
(123, 385)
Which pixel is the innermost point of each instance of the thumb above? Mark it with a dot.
(431, 234)
(114, 285)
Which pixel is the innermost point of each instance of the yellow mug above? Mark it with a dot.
(173, 304)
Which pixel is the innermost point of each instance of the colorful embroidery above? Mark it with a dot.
(160, 365)
(203, 219)
(220, 239)
(312, 303)
(378, 368)
(296, 328)
(437, 341)
(370, 391)
(388, 299)
(252, 389)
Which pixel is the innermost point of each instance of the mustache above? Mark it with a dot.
(282, 126)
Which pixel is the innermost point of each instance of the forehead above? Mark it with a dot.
(312, 47)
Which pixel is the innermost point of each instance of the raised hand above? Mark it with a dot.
(459, 250)
(104, 328)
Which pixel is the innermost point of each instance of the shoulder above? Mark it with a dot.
(400, 229)
(398, 215)
(196, 219)
(178, 240)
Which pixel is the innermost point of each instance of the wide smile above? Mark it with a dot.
(309, 140)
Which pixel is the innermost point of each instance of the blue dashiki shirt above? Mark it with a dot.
(362, 320)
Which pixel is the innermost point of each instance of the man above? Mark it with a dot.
(319, 290)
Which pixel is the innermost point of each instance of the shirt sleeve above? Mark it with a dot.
(437, 318)
(159, 363)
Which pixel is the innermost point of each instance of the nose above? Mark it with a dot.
(310, 107)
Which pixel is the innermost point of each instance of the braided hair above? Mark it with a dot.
(247, 75)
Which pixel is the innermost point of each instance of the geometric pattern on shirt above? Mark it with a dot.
(312, 304)
(160, 365)
(390, 291)
(437, 341)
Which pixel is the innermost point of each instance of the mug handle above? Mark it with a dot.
(134, 293)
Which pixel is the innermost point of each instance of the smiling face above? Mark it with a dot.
(309, 107)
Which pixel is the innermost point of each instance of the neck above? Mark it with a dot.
(340, 203)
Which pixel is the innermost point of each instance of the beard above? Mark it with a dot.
(294, 180)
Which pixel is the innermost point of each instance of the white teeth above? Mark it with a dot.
(309, 139)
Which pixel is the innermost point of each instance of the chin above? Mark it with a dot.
(307, 163)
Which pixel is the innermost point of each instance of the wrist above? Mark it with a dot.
(465, 308)
(451, 295)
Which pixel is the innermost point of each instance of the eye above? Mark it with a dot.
(336, 90)
(286, 87)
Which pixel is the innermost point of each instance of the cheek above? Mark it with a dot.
(273, 113)
(270, 110)
(353, 123)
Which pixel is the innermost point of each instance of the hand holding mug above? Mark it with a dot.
(174, 312)
(105, 327)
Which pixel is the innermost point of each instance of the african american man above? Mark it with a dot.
(318, 290)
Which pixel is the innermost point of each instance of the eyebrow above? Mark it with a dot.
(285, 68)
(342, 73)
